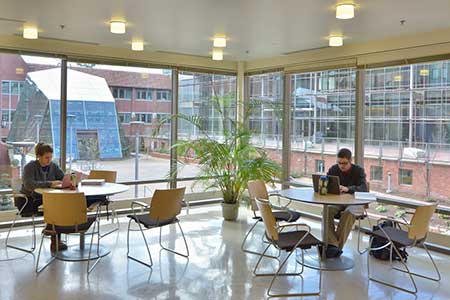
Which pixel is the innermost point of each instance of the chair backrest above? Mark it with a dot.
(109, 176)
(166, 204)
(421, 221)
(257, 190)
(64, 209)
(269, 220)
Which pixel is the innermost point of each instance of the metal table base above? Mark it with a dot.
(75, 253)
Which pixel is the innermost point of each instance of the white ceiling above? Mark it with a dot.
(255, 28)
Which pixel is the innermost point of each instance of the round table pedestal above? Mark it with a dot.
(74, 253)
(341, 263)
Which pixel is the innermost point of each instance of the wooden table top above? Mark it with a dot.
(308, 195)
(106, 189)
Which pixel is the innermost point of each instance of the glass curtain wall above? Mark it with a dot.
(264, 108)
(113, 115)
(27, 115)
(212, 99)
(407, 130)
(322, 119)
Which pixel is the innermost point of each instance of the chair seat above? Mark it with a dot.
(287, 216)
(72, 229)
(288, 240)
(145, 220)
(399, 237)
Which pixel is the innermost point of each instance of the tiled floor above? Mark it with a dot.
(216, 269)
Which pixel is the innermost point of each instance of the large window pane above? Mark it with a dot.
(322, 119)
(211, 98)
(265, 109)
(30, 85)
(407, 130)
(112, 113)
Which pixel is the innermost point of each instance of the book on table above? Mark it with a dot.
(93, 181)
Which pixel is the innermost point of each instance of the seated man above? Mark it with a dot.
(352, 179)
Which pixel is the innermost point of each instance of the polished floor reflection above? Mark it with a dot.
(216, 268)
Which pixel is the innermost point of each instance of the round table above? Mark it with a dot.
(74, 253)
(307, 195)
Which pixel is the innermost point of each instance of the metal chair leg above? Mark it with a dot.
(89, 269)
(250, 251)
(172, 250)
(278, 273)
(39, 270)
(146, 245)
(393, 247)
(421, 275)
(33, 245)
(361, 252)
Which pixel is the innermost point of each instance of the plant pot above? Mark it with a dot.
(230, 211)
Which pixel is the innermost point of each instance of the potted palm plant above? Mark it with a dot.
(227, 161)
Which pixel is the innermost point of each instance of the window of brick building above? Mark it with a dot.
(405, 176)
(376, 173)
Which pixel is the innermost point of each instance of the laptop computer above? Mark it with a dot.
(333, 183)
(67, 182)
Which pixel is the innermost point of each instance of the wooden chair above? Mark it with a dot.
(257, 189)
(164, 208)
(288, 241)
(108, 176)
(67, 213)
(415, 234)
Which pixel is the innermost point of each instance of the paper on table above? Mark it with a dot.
(365, 196)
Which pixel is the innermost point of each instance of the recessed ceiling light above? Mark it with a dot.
(345, 11)
(30, 32)
(217, 54)
(137, 45)
(117, 27)
(336, 41)
(398, 78)
(424, 72)
(220, 42)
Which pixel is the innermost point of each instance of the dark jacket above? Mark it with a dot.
(34, 177)
(355, 181)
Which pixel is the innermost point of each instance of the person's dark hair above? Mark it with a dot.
(345, 153)
(42, 148)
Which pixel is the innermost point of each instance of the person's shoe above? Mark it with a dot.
(61, 246)
(333, 251)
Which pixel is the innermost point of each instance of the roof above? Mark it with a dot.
(122, 78)
(80, 87)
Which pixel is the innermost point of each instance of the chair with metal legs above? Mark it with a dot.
(108, 176)
(67, 213)
(164, 208)
(397, 238)
(257, 189)
(288, 241)
(25, 210)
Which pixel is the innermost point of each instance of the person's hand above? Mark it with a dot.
(343, 189)
(55, 183)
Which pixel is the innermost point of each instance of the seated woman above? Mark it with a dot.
(41, 173)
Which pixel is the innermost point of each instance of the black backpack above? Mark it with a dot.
(383, 254)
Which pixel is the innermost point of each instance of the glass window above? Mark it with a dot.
(320, 166)
(117, 124)
(143, 94)
(212, 99)
(405, 176)
(162, 95)
(322, 117)
(5, 87)
(376, 173)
